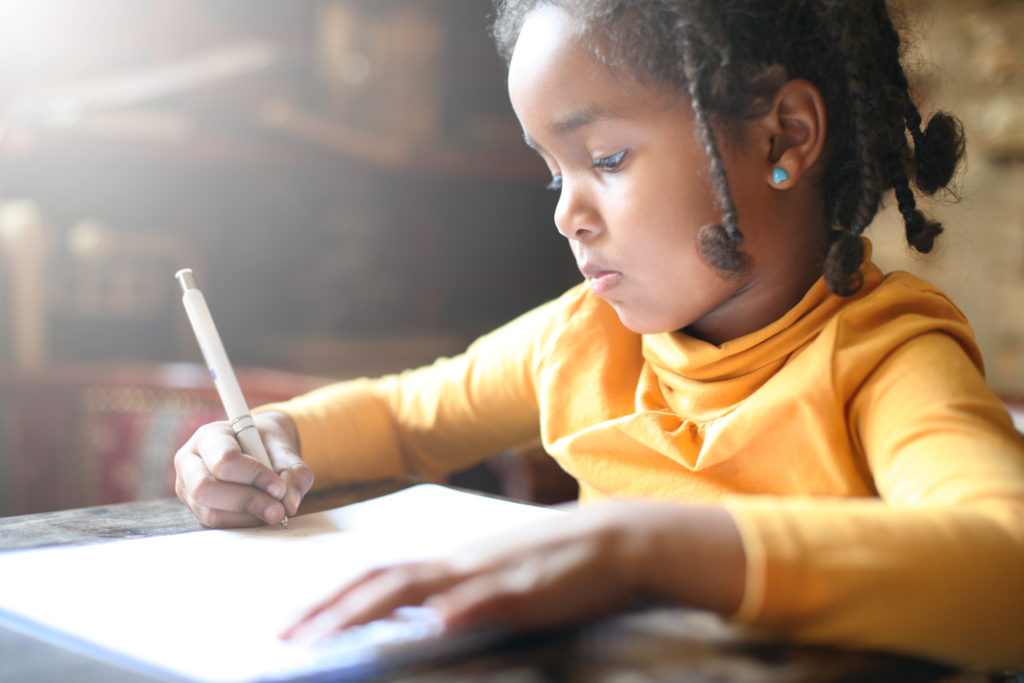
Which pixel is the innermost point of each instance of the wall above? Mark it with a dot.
(969, 60)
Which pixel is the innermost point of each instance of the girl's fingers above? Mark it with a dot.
(279, 440)
(535, 593)
(373, 596)
(217, 502)
(216, 446)
(225, 488)
(226, 519)
(484, 600)
(278, 434)
(219, 497)
(298, 482)
(314, 610)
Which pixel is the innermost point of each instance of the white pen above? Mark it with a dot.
(220, 370)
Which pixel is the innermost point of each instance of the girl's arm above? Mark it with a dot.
(426, 422)
(433, 420)
(935, 566)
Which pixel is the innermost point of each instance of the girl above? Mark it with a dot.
(794, 439)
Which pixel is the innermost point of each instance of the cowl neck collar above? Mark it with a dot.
(710, 377)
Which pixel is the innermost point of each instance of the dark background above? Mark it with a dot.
(361, 199)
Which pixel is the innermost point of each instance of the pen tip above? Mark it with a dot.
(284, 522)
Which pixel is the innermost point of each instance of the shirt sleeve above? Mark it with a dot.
(935, 565)
(432, 420)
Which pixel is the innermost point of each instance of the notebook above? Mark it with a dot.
(208, 605)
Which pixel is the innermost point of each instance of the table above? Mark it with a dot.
(654, 643)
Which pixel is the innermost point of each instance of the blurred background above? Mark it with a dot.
(350, 186)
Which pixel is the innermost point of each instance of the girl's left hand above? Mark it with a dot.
(559, 571)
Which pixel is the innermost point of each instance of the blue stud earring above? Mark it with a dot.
(779, 176)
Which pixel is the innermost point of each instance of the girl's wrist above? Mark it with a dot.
(691, 555)
(637, 550)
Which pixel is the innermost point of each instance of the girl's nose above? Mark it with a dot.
(575, 216)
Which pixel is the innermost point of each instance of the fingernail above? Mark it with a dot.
(277, 490)
(270, 512)
(293, 502)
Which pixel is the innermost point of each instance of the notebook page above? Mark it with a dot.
(183, 604)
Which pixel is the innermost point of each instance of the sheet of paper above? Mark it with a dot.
(208, 605)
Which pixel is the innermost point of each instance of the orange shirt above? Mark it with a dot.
(877, 482)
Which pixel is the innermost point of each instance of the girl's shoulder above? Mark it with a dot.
(899, 294)
(893, 309)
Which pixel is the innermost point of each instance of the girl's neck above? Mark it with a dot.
(789, 256)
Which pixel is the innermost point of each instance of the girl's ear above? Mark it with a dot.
(797, 124)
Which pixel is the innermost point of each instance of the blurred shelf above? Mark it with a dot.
(279, 137)
(393, 153)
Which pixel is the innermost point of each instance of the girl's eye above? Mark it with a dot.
(611, 162)
(555, 185)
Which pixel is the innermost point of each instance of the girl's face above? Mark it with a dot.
(634, 182)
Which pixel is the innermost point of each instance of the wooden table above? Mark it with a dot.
(652, 644)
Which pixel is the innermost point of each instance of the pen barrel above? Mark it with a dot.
(249, 439)
(214, 354)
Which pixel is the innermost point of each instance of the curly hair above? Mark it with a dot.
(730, 56)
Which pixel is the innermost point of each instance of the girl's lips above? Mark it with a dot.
(603, 282)
(601, 279)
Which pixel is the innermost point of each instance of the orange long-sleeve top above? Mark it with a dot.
(877, 481)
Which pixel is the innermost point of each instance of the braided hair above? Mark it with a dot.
(729, 57)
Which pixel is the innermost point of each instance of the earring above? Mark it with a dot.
(779, 176)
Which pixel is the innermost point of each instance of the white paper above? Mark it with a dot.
(208, 605)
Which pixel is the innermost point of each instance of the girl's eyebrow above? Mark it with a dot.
(574, 121)
(580, 118)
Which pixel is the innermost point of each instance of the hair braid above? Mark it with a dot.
(718, 242)
(913, 115)
(935, 166)
(937, 150)
(921, 232)
(856, 211)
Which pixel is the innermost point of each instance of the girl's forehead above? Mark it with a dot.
(557, 85)
(546, 39)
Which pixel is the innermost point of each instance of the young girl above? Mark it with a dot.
(792, 438)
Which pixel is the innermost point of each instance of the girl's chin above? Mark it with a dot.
(640, 324)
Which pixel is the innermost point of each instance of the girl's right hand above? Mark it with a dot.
(225, 488)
